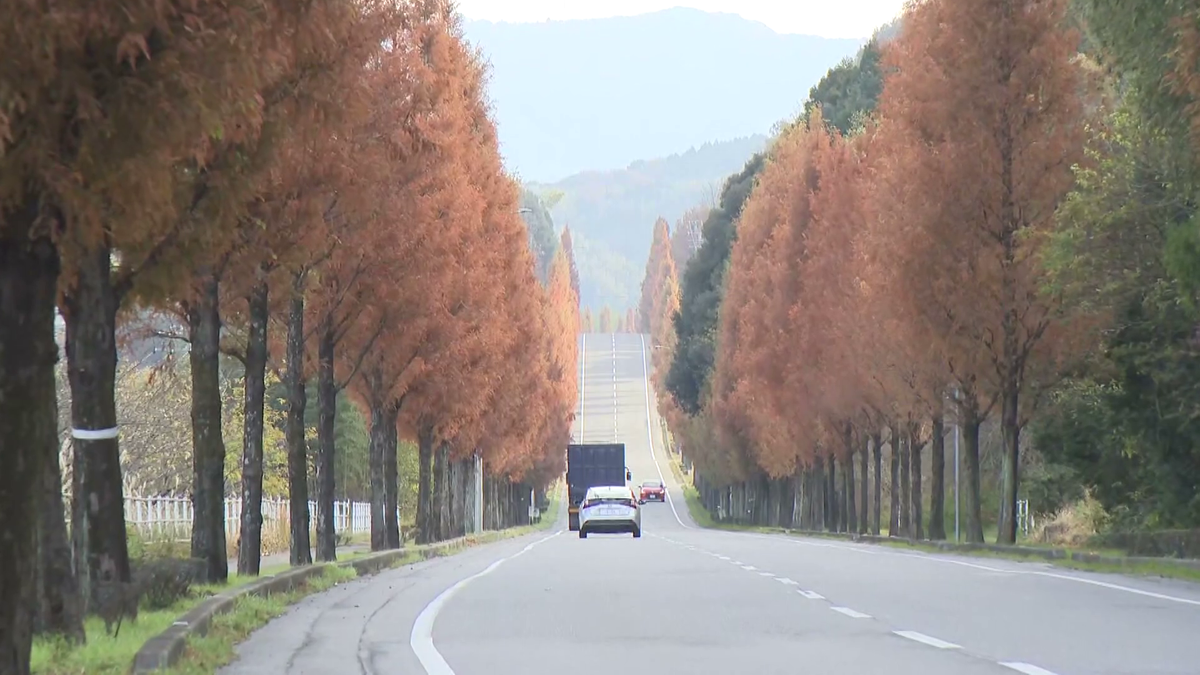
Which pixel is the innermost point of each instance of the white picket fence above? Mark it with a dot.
(171, 517)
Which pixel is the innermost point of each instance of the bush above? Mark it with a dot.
(163, 582)
(1163, 544)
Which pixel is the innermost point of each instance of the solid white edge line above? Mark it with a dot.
(942, 559)
(650, 432)
(853, 614)
(421, 637)
(1027, 668)
(1115, 587)
(926, 639)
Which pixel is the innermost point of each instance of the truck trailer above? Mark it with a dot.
(590, 465)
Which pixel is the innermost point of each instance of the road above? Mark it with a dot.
(687, 600)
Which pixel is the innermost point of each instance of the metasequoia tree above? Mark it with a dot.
(104, 104)
(686, 236)
(568, 249)
(606, 323)
(655, 275)
(985, 99)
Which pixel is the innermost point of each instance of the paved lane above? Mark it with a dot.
(687, 600)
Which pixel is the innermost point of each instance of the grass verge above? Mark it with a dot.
(1145, 568)
(205, 655)
(104, 653)
(107, 655)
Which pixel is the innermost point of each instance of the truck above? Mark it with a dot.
(590, 465)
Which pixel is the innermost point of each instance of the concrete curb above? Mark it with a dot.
(165, 649)
(1025, 551)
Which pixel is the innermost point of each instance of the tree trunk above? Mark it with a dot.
(970, 452)
(851, 510)
(833, 498)
(297, 447)
(905, 484)
(375, 460)
(62, 605)
(894, 516)
(440, 485)
(29, 268)
(787, 499)
(250, 547)
(1010, 434)
(98, 508)
(914, 453)
(391, 483)
(937, 480)
(864, 486)
(326, 443)
(456, 499)
(424, 484)
(1011, 364)
(208, 448)
(877, 455)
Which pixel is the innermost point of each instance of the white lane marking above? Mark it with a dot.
(765, 574)
(962, 563)
(811, 595)
(851, 613)
(723, 557)
(735, 562)
(650, 432)
(1115, 587)
(787, 582)
(421, 637)
(749, 568)
(1027, 668)
(926, 639)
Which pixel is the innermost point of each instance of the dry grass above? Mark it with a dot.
(1073, 525)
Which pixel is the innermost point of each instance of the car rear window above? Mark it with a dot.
(652, 483)
(623, 501)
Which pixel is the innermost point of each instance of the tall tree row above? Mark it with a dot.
(312, 189)
(888, 279)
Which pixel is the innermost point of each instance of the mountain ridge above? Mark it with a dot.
(600, 94)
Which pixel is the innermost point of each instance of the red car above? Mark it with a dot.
(653, 491)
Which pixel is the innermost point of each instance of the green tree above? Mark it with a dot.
(542, 237)
(703, 289)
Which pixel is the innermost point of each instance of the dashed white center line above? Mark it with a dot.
(811, 595)
(723, 557)
(749, 568)
(786, 581)
(765, 574)
(735, 562)
(850, 613)
(926, 639)
(1026, 668)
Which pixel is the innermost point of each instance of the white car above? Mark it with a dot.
(610, 510)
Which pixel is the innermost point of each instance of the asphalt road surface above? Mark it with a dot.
(687, 600)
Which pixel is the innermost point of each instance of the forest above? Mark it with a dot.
(268, 234)
(979, 240)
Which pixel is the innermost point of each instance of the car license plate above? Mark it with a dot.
(608, 511)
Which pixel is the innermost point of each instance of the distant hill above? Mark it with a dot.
(598, 94)
(612, 213)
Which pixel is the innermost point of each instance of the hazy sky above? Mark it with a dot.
(845, 18)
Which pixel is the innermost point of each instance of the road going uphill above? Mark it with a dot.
(687, 600)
